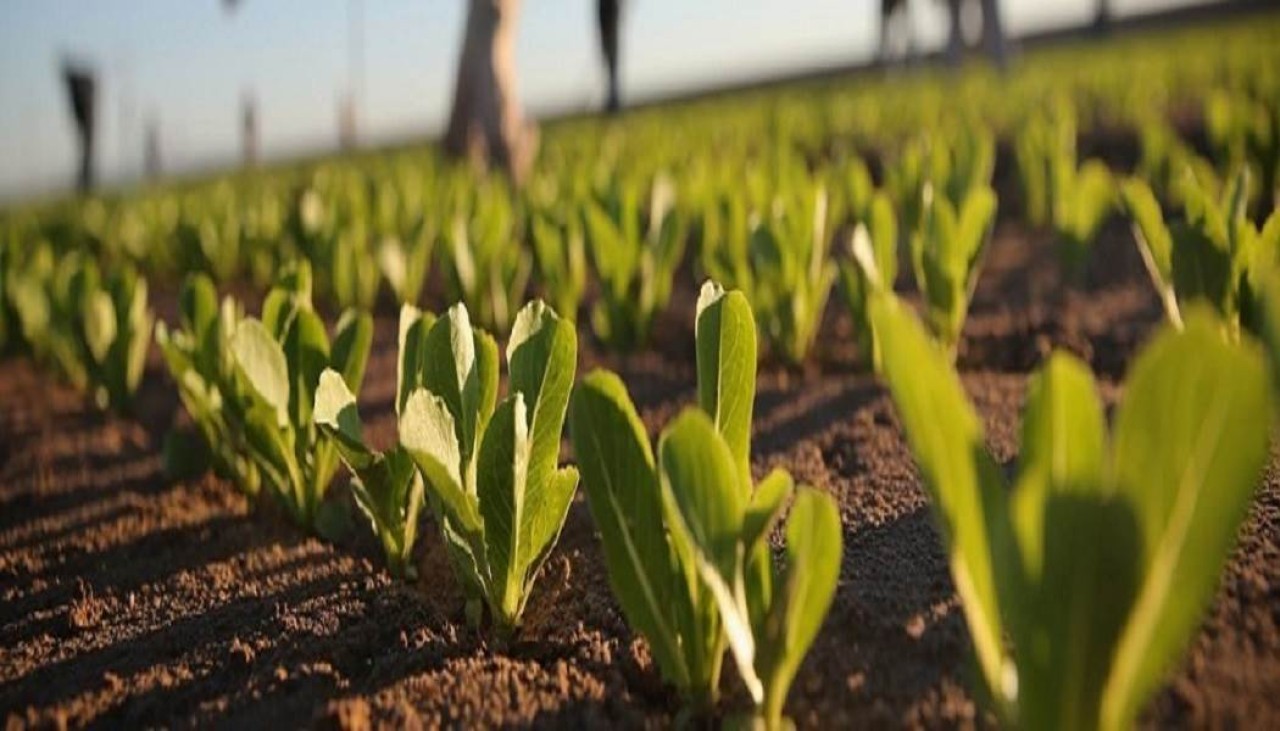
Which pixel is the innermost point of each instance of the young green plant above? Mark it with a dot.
(267, 391)
(686, 535)
(1215, 254)
(947, 255)
(1098, 563)
(634, 261)
(491, 468)
(871, 267)
(387, 486)
(791, 272)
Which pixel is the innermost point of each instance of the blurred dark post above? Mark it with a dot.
(1102, 16)
(346, 122)
(610, 12)
(81, 88)
(151, 161)
(249, 129)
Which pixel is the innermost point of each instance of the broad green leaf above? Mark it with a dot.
(198, 304)
(99, 317)
(352, 338)
(542, 353)
(947, 441)
(621, 482)
(545, 519)
(448, 364)
(543, 359)
(1063, 448)
(1154, 241)
(763, 512)
(501, 485)
(704, 502)
(1191, 439)
(306, 349)
(1201, 269)
(336, 412)
(814, 554)
(428, 434)
(261, 361)
(414, 325)
(1069, 594)
(765, 507)
(726, 357)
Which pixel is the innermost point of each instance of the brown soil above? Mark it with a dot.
(130, 600)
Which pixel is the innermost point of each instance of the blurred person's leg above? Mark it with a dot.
(993, 33)
(487, 124)
(887, 8)
(955, 34)
(609, 12)
(81, 88)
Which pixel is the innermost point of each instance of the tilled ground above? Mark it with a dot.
(130, 600)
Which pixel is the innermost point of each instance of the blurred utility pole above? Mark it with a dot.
(249, 128)
(81, 84)
(151, 152)
(349, 105)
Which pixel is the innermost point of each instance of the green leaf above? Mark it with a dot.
(947, 441)
(1068, 596)
(703, 501)
(99, 317)
(814, 552)
(726, 357)
(261, 362)
(1191, 439)
(386, 487)
(461, 367)
(414, 325)
(501, 484)
(1201, 269)
(336, 412)
(428, 434)
(543, 355)
(1154, 240)
(306, 350)
(352, 338)
(621, 482)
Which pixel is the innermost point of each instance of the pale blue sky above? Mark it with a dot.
(187, 62)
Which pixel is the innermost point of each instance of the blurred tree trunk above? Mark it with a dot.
(487, 124)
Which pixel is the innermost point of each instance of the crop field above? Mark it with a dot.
(928, 398)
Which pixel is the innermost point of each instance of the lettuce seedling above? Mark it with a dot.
(1098, 563)
(263, 392)
(117, 330)
(561, 260)
(635, 262)
(791, 273)
(954, 163)
(1073, 201)
(387, 486)
(199, 359)
(405, 263)
(872, 266)
(685, 536)
(489, 270)
(278, 361)
(1214, 254)
(491, 469)
(95, 333)
(947, 255)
